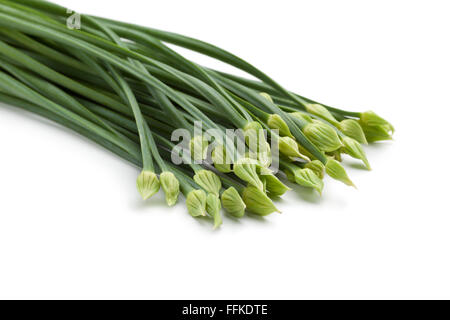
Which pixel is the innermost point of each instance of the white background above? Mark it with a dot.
(72, 224)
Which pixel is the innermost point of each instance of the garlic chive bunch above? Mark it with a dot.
(124, 88)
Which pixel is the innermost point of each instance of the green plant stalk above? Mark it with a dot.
(220, 54)
(263, 87)
(200, 47)
(129, 156)
(60, 11)
(52, 92)
(114, 148)
(12, 86)
(98, 70)
(257, 113)
(53, 26)
(257, 99)
(95, 83)
(148, 147)
(209, 50)
(58, 78)
(182, 62)
(65, 38)
(102, 43)
(90, 80)
(121, 121)
(126, 155)
(129, 134)
(36, 46)
(144, 134)
(159, 96)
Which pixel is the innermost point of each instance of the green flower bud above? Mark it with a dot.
(336, 155)
(267, 96)
(322, 136)
(171, 187)
(375, 128)
(336, 171)
(253, 125)
(256, 141)
(277, 123)
(289, 148)
(263, 171)
(376, 133)
(353, 148)
(246, 169)
(274, 186)
(199, 148)
(147, 184)
(307, 178)
(251, 131)
(213, 207)
(196, 203)
(233, 203)
(321, 112)
(371, 119)
(254, 137)
(302, 116)
(305, 152)
(258, 202)
(209, 181)
(219, 158)
(289, 175)
(351, 128)
(265, 156)
(317, 167)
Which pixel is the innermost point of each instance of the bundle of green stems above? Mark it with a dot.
(124, 88)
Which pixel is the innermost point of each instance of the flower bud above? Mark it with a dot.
(171, 187)
(317, 167)
(233, 203)
(376, 133)
(196, 203)
(320, 111)
(302, 116)
(246, 169)
(306, 153)
(209, 181)
(147, 184)
(289, 148)
(371, 119)
(219, 158)
(258, 202)
(336, 171)
(263, 171)
(375, 128)
(289, 175)
(336, 155)
(256, 142)
(353, 148)
(265, 156)
(277, 123)
(351, 128)
(322, 136)
(307, 178)
(267, 96)
(199, 148)
(252, 132)
(274, 186)
(213, 207)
